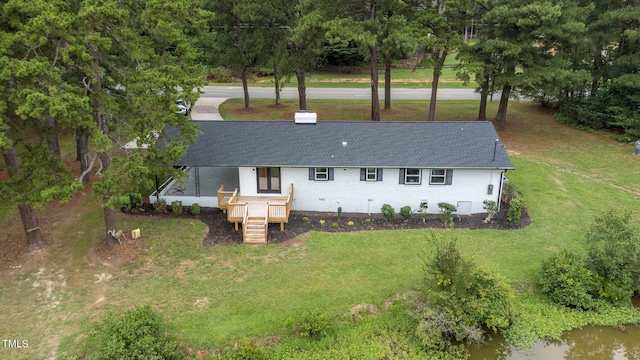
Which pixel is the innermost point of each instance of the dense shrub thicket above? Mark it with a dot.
(610, 272)
(460, 302)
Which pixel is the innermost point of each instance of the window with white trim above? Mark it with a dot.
(371, 174)
(412, 176)
(321, 174)
(440, 176)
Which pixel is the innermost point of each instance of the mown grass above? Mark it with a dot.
(360, 77)
(353, 110)
(214, 296)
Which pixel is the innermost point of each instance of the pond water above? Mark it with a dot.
(589, 343)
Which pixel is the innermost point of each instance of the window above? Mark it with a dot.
(321, 174)
(410, 176)
(370, 174)
(441, 176)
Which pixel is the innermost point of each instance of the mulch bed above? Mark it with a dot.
(222, 232)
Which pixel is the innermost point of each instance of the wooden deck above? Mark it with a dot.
(255, 212)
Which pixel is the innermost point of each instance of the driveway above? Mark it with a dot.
(206, 109)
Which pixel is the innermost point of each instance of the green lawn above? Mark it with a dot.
(215, 296)
(400, 78)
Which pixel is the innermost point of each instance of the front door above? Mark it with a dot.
(269, 180)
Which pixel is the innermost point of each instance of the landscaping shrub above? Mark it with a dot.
(446, 213)
(567, 281)
(305, 219)
(406, 212)
(509, 192)
(195, 209)
(491, 207)
(367, 221)
(388, 212)
(140, 333)
(335, 226)
(135, 202)
(176, 207)
(339, 212)
(515, 210)
(422, 210)
(160, 205)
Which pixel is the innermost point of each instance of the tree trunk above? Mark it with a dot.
(52, 135)
(31, 227)
(302, 88)
(437, 69)
(82, 151)
(484, 94)
(27, 214)
(387, 83)
(245, 88)
(276, 79)
(375, 101)
(482, 111)
(434, 95)
(110, 226)
(502, 109)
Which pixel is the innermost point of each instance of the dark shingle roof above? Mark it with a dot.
(440, 144)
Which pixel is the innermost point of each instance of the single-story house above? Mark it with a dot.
(358, 166)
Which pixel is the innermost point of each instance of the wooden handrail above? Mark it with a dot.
(245, 220)
(266, 224)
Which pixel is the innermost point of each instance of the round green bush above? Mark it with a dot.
(567, 281)
(335, 226)
(305, 219)
(140, 333)
(195, 209)
(406, 212)
(388, 212)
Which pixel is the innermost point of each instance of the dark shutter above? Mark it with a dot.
(401, 179)
(330, 174)
(449, 177)
(363, 174)
(312, 174)
(379, 174)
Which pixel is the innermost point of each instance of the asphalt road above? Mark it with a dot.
(338, 93)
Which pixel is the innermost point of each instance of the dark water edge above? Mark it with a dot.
(588, 343)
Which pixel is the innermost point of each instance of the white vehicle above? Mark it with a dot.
(184, 107)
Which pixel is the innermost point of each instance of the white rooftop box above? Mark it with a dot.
(305, 117)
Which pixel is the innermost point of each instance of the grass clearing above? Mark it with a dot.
(214, 296)
(348, 77)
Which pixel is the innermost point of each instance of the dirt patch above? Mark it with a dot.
(127, 251)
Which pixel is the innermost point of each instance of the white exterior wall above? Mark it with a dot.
(353, 195)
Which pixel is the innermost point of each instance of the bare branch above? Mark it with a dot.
(84, 173)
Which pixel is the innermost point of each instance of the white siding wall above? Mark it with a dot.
(353, 195)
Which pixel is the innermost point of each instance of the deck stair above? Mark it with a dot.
(254, 230)
(255, 213)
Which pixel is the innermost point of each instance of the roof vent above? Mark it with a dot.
(305, 117)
